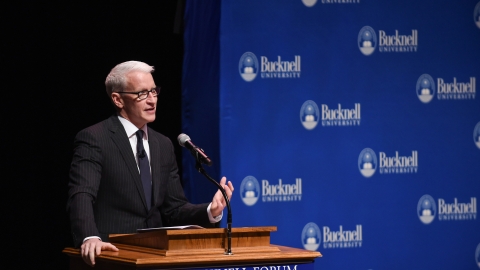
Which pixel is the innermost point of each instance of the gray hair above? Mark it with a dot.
(117, 80)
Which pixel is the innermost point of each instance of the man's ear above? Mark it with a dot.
(117, 100)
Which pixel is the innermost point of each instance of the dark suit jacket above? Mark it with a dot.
(105, 190)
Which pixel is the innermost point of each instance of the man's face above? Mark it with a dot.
(139, 112)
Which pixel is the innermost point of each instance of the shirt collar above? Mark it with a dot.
(131, 129)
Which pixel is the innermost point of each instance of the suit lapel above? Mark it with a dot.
(120, 138)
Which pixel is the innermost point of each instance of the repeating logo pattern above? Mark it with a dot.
(367, 40)
(367, 162)
(281, 192)
(425, 88)
(457, 210)
(477, 255)
(249, 190)
(444, 89)
(248, 66)
(455, 89)
(426, 209)
(476, 15)
(396, 164)
(341, 116)
(309, 3)
(311, 236)
(285, 62)
(396, 42)
(476, 135)
(453, 210)
(279, 68)
(309, 114)
(342, 238)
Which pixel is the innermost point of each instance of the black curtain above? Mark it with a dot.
(55, 57)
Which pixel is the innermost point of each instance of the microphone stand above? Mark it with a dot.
(199, 168)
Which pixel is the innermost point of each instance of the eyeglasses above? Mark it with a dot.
(144, 93)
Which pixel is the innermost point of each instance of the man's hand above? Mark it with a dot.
(93, 247)
(218, 202)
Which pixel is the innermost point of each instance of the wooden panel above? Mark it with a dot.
(195, 241)
(166, 249)
(144, 258)
(190, 239)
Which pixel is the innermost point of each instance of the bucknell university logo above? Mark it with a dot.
(476, 15)
(248, 66)
(367, 162)
(367, 40)
(426, 209)
(476, 135)
(425, 88)
(311, 236)
(309, 114)
(477, 255)
(249, 190)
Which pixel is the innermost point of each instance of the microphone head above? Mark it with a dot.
(182, 138)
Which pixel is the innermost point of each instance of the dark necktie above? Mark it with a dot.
(144, 166)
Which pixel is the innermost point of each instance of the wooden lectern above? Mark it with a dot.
(194, 248)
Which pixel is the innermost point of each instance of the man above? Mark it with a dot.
(123, 175)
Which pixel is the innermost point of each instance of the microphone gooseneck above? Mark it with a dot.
(200, 156)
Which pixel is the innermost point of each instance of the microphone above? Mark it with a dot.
(197, 152)
(201, 157)
(142, 154)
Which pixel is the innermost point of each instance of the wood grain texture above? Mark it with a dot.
(193, 248)
(197, 239)
(143, 258)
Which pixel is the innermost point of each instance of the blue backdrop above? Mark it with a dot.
(353, 126)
